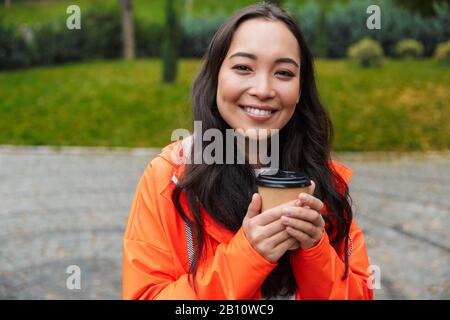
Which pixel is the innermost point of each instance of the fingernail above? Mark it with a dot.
(298, 203)
(284, 219)
(303, 197)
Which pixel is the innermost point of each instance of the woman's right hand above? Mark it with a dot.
(265, 232)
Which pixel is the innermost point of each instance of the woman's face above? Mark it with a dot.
(259, 79)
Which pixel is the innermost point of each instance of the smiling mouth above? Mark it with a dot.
(263, 112)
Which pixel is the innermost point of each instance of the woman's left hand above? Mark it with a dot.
(304, 222)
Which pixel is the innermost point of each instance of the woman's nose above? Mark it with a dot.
(263, 88)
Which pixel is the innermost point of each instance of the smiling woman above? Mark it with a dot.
(196, 230)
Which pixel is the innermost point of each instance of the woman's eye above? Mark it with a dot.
(286, 74)
(241, 68)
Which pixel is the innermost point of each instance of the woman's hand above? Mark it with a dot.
(265, 231)
(304, 221)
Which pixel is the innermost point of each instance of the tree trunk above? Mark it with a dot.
(321, 39)
(7, 3)
(128, 44)
(169, 46)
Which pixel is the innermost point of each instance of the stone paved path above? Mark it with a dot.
(70, 206)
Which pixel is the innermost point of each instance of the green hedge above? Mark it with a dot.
(196, 35)
(51, 43)
(14, 49)
(346, 24)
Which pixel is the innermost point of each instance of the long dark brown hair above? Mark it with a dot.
(225, 190)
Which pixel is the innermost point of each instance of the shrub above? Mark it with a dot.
(366, 52)
(14, 50)
(196, 35)
(409, 48)
(51, 43)
(102, 33)
(442, 53)
(148, 38)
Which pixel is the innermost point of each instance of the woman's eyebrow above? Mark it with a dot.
(253, 57)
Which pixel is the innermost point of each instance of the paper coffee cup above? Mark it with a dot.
(282, 187)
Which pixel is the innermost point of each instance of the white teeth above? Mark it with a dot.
(258, 112)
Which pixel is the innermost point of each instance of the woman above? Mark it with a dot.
(195, 230)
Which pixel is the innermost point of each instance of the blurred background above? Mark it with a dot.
(91, 90)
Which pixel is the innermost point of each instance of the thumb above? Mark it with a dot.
(254, 207)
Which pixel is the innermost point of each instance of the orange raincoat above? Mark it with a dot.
(156, 260)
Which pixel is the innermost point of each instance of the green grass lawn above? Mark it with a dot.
(402, 106)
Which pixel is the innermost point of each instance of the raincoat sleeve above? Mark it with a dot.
(235, 271)
(319, 270)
